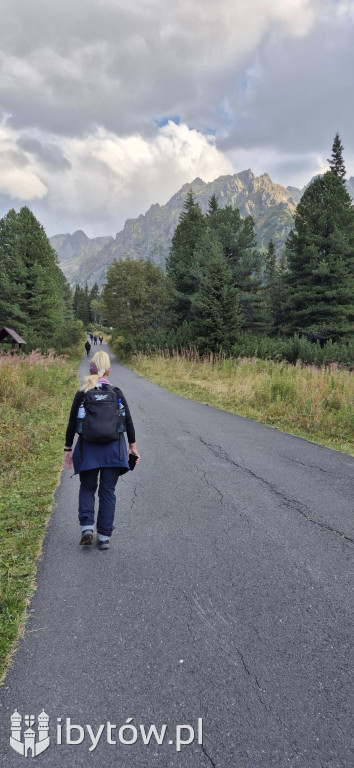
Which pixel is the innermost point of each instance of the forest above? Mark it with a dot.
(219, 294)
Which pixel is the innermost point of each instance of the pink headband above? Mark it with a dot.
(93, 368)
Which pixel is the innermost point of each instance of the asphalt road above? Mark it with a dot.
(226, 596)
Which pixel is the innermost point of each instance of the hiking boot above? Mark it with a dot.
(103, 544)
(86, 537)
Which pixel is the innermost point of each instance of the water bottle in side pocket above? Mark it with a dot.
(80, 418)
(121, 416)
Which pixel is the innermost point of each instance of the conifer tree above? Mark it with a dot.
(94, 292)
(76, 298)
(270, 262)
(270, 274)
(213, 205)
(181, 263)
(95, 306)
(238, 241)
(65, 300)
(35, 297)
(12, 275)
(336, 162)
(41, 299)
(319, 297)
(215, 313)
(279, 293)
(83, 308)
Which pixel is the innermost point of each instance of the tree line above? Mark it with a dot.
(218, 293)
(87, 305)
(218, 289)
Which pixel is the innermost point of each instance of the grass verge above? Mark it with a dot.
(309, 402)
(35, 397)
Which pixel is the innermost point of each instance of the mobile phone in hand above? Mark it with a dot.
(133, 458)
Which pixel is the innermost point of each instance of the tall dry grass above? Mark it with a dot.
(315, 403)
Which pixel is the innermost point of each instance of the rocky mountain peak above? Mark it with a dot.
(149, 235)
(79, 237)
(244, 176)
(198, 182)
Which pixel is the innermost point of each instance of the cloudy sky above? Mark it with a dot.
(107, 107)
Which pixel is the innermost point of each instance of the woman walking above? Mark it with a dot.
(98, 463)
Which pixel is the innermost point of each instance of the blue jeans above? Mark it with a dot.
(106, 494)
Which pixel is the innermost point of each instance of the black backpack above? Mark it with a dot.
(102, 422)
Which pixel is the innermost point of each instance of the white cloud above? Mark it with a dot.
(115, 177)
(249, 83)
(105, 178)
(21, 184)
(345, 8)
(19, 177)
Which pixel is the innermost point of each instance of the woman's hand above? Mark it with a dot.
(133, 449)
(68, 459)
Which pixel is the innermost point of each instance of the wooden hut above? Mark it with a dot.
(9, 336)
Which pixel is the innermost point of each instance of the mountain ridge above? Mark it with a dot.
(271, 205)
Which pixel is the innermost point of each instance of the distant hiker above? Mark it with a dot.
(93, 458)
(88, 347)
(101, 339)
(91, 337)
(95, 340)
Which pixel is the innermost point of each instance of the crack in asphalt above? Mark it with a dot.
(202, 475)
(218, 451)
(315, 466)
(206, 478)
(257, 688)
(207, 755)
(135, 496)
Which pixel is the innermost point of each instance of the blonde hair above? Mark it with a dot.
(103, 365)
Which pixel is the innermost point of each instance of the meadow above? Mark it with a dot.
(35, 397)
(303, 400)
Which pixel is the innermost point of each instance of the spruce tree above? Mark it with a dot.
(269, 263)
(66, 300)
(336, 162)
(94, 292)
(215, 313)
(35, 298)
(13, 313)
(181, 263)
(67, 330)
(238, 241)
(76, 299)
(270, 269)
(319, 297)
(279, 293)
(213, 205)
(94, 304)
(42, 292)
(83, 305)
